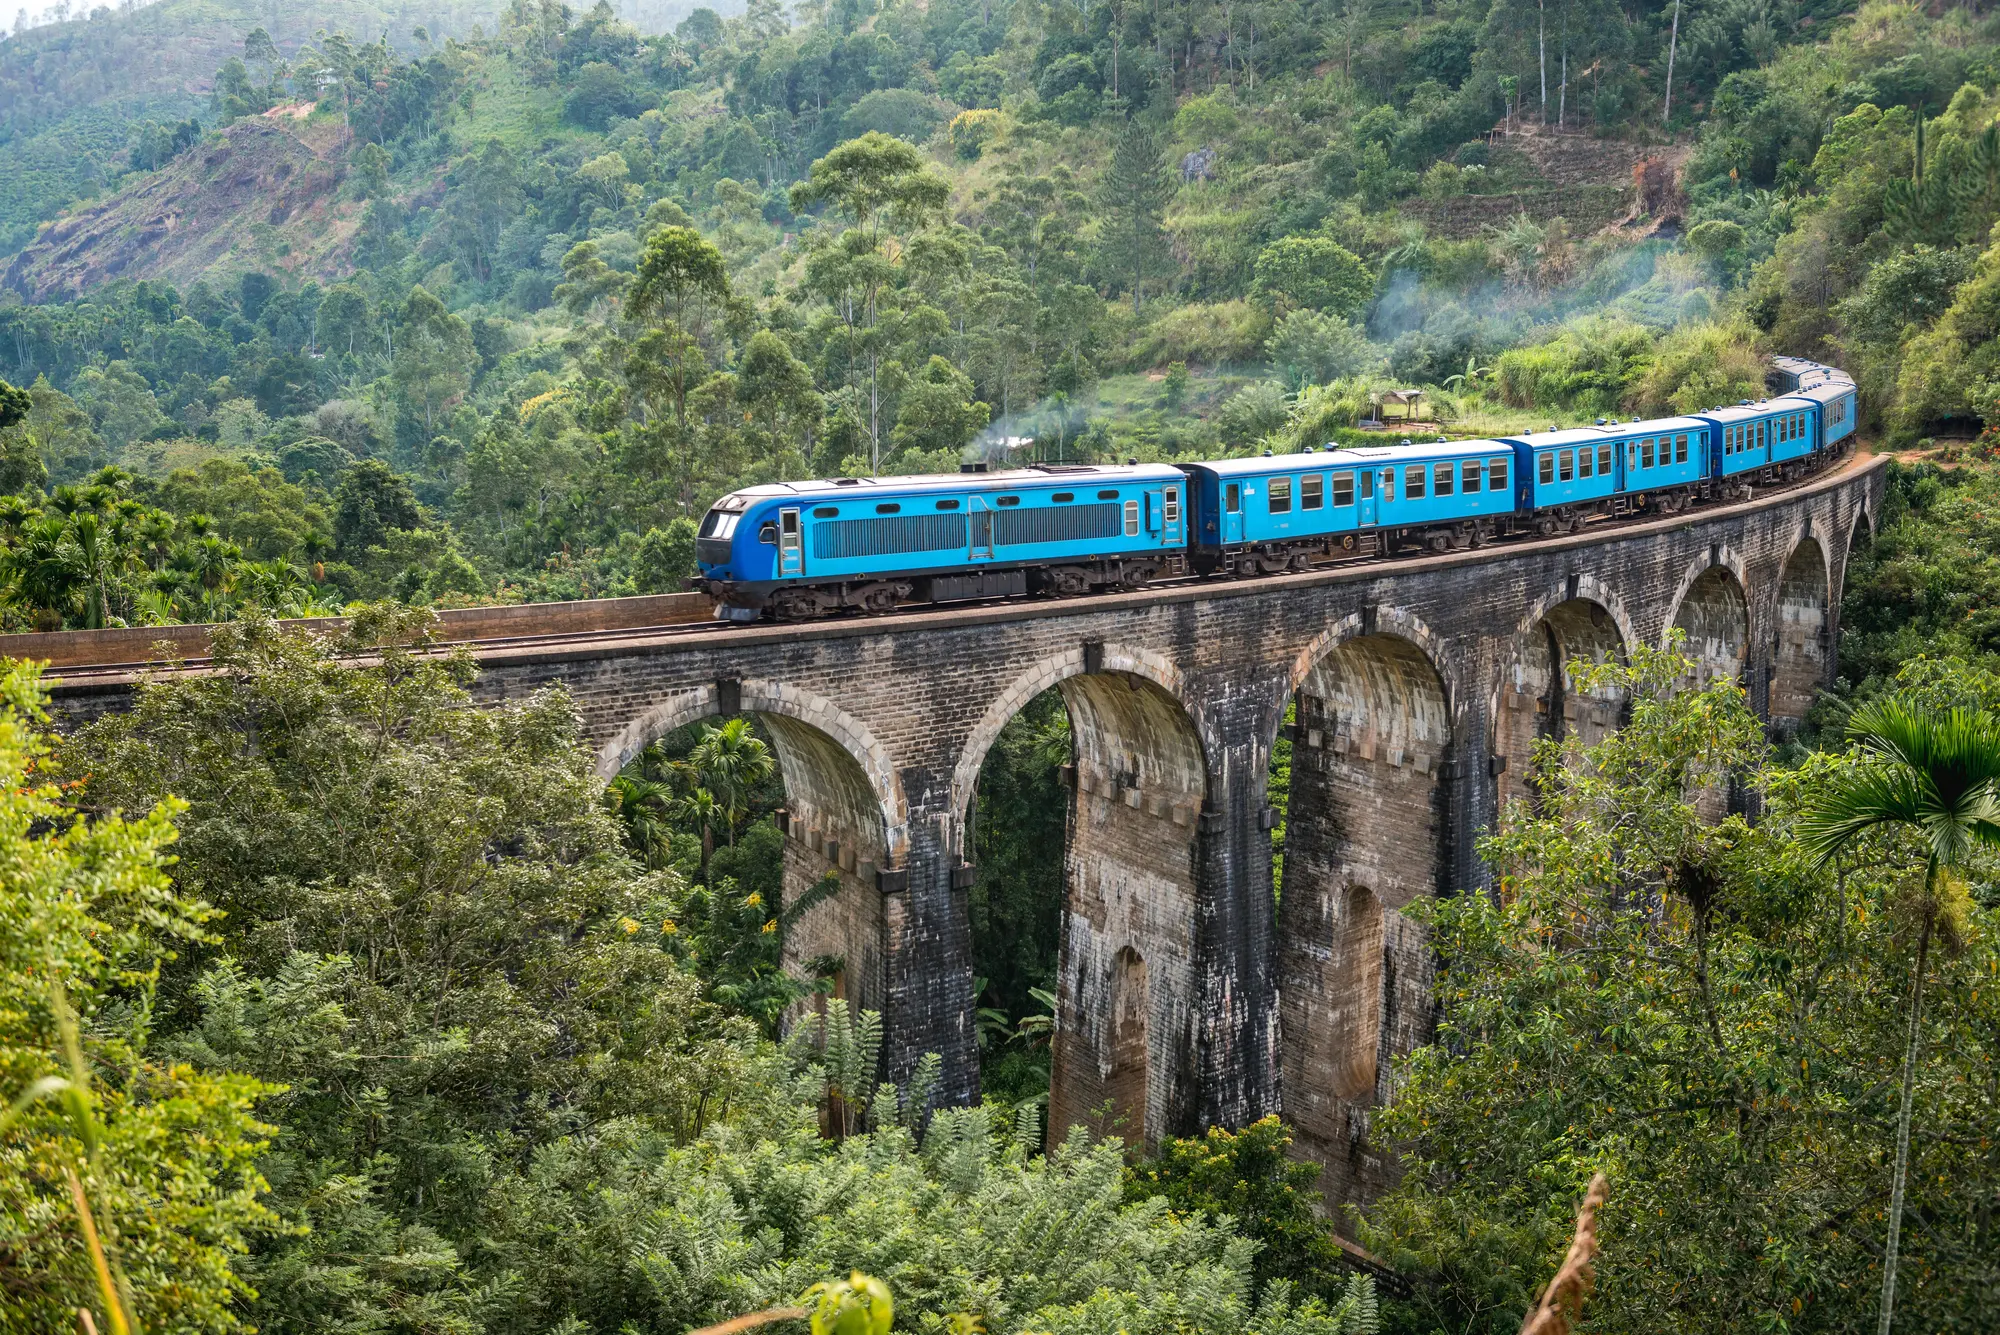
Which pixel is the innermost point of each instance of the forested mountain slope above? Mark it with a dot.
(397, 277)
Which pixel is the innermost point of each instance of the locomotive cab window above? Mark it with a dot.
(1171, 506)
(768, 534)
(1545, 467)
(1441, 480)
(1413, 482)
(1278, 496)
(1312, 491)
(1468, 474)
(719, 524)
(1131, 519)
(1343, 488)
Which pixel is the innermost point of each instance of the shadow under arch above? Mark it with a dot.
(844, 819)
(1367, 825)
(1537, 696)
(1123, 1048)
(1712, 609)
(1802, 649)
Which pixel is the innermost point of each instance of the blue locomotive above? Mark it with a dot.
(795, 550)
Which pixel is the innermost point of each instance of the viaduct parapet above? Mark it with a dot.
(1188, 995)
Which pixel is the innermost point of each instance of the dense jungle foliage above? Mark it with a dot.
(347, 1007)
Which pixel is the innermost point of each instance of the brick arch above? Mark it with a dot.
(1535, 696)
(1050, 671)
(1719, 554)
(1801, 620)
(1861, 531)
(807, 713)
(1367, 827)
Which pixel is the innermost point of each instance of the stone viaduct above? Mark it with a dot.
(1187, 996)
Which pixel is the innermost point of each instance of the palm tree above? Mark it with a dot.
(1938, 774)
(699, 808)
(641, 805)
(730, 761)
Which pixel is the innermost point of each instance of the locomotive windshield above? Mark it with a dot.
(720, 524)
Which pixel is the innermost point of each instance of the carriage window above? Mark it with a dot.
(1496, 475)
(1232, 497)
(1441, 480)
(1468, 475)
(942, 505)
(1583, 460)
(1566, 466)
(1368, 485)
(1343, 488)
(1545, 467)
(1681, 448)
(1278, 496)
(1131, 519)
(1604, 461)
(1413, 482)
(1388, 484)
(1171, 507)
(1646, 452)
(1312, 491)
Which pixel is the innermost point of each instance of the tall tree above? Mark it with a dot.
(1937, 775)
(1133, 204)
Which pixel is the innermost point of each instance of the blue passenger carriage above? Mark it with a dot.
(1274, 513)
(1767, 441)
(803, 549)
(1610, 468)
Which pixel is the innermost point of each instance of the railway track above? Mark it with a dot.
(116, 674)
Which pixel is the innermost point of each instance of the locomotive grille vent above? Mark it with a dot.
(1069, 523)
(848, 539)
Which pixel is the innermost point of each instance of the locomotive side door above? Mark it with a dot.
(791, 545)
(980, 520)
(1166, 504)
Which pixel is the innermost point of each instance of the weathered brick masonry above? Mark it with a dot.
(1186, 997)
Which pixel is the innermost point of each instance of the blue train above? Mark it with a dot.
(796, 550)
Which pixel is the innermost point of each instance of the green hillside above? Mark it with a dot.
(1153, 233)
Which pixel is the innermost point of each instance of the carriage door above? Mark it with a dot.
(1232, 512)
(981, 521)
(1365, 508)
(1163, 516)
(791, 547)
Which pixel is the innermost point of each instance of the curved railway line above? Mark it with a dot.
(83, 674)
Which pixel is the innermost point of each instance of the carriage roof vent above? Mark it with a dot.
(1308, 449)
(847, 482)
(978, 467)
(1267, 454)
(1600, 422)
